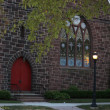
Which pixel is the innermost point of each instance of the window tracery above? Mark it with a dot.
(75, 46)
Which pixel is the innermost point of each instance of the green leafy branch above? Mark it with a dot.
(48, 17)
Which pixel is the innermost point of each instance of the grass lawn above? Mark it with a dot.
(26, 108)
(9, 101)
(100, 107)
(79, 101)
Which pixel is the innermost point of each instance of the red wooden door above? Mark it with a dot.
(21, 74)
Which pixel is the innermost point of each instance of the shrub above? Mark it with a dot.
(87, 94)
(49, 95)
(61, 96)
(64, 96)
(5, 95)
(56, 95)
(72, 88)
(102, 94)
(73, 92)
(107, 90)
(84, 94)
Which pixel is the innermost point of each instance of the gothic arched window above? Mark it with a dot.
(75, 46)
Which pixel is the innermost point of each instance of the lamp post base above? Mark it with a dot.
(94, 105)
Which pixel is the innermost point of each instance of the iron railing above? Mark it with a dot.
(15, 90)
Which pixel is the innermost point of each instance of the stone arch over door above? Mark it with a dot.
(32, 64)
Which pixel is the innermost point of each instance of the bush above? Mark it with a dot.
(107, 90)
(78, 94)
(49, 95)
(61, 96)
(88, 94)
(84, 94)
(102, 94)
(72, 88)
(5, 95)
(56, 95)
(64, 96)
(73, 92)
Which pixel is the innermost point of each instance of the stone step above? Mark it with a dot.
(21, 94)
(32, 100)
(29, 97)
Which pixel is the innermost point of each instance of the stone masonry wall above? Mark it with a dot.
(63, 77)
(13, 46)
(49, 73)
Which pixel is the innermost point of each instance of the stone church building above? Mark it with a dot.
(68, 63)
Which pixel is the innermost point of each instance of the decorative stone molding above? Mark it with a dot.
(18, 54)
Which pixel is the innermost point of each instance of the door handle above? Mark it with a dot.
(19, 81)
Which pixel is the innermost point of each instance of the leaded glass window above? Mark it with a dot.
(71, 48)
(75, 46)
(63, 47)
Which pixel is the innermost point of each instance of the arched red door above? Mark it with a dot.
(21, 74)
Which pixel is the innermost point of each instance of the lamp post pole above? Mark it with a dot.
(94, 83)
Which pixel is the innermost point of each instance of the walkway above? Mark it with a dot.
(57, 106)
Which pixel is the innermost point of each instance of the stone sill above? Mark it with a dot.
(76, 68)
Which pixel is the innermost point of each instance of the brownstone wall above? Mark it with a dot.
(63, 77)
(49, 73)
(13, 46)
(101, 43)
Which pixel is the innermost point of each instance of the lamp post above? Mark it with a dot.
(95, 57)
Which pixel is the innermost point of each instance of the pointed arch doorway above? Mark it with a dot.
(21, 74)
